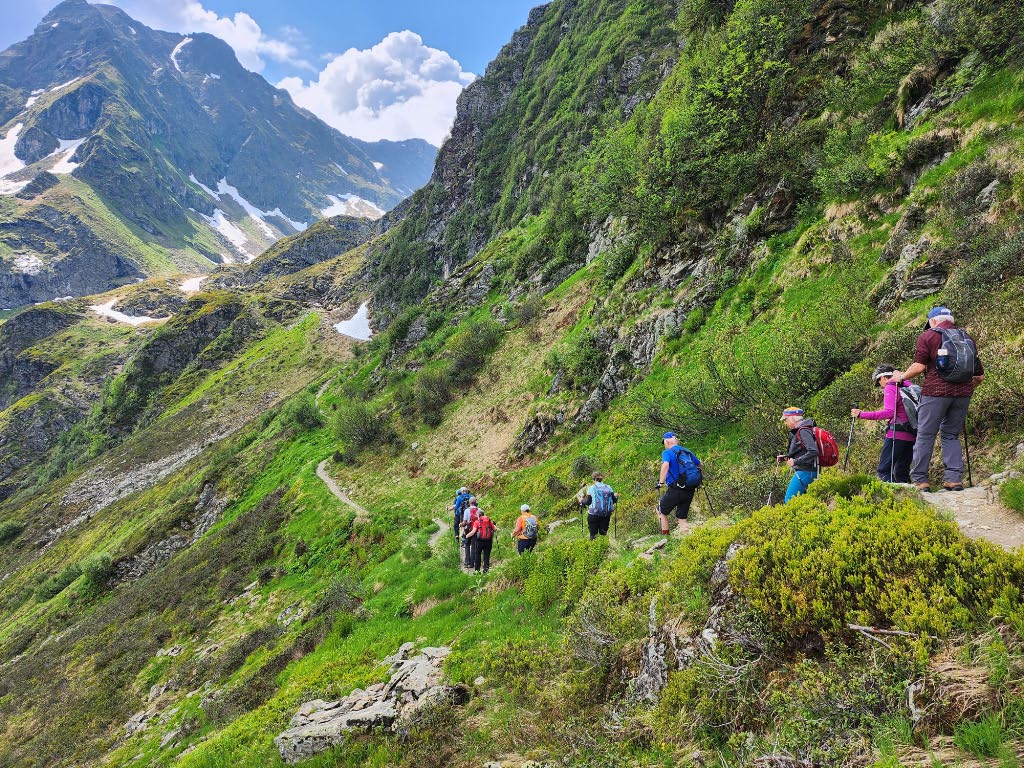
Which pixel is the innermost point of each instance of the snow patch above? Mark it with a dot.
(192, 284)
(9, 162)
(340, 169)
(377, 165)
(132, 30)
(55, 25)
(213, 76)
(28, 264)
(223, 188)
(177, 50)
(107, 310)
(352, 205)
(31, 100)
(66, 150)
(229, 231)
(72, 81)
(357, 326)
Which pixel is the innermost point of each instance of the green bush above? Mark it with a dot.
(470, 348)
(561, 572)
(432, 391)
(54, 585)
(359, 425)
(302, 410)
(580, 361)
(97, 570)
(1011, 493)
(10, 530)
(873, 559)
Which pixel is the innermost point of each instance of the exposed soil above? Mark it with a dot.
(980, 515)
(362, 515)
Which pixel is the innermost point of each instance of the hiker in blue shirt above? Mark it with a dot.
(458, 507)
(680, 477)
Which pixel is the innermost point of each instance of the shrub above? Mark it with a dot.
(1011, 493)
(432, 391)
(360, 425)
(580, 362)
(97, 570)
(302, 410)
(10, 530)
(54, 585)
(470, 348)
(560, 572)
(873, 559)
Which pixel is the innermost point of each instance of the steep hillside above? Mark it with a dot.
(161, 152)
(754, 213)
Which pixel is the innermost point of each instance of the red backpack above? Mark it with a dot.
(484, 527)
(828, 448)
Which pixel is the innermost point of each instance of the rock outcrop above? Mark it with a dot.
(415, 683)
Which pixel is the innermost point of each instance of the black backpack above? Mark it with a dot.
(957, 357)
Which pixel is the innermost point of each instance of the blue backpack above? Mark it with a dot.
(689, 469)
(602, 500)
(460, 504)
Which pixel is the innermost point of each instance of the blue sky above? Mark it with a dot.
(389, 69)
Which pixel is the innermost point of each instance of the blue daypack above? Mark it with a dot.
(689, 469)
(602, 500)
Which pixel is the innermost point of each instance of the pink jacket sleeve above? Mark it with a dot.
(888, 405)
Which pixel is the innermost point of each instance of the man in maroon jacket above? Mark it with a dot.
(944, 402)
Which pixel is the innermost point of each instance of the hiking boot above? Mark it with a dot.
(952, 486)
(923, 486)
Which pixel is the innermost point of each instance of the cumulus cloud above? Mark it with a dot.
(240, 31)
(398, 89)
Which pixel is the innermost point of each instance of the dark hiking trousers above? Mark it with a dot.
(483, 554)
(943, 417)
(470, 545)
(894, 463)
(598, 525)
(525, 545)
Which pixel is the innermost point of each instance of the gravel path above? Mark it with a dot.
(442, 530)
(980, 515)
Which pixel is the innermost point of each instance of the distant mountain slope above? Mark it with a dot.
(164, 150)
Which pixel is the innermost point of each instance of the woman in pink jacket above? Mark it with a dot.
(898, 448)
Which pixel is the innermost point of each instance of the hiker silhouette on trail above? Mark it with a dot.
(600, 501)
(948, 358)
(802, 455)
(898, 448)
(526, 530)
(680, 477)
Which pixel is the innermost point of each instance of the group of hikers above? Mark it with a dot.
(916, 415)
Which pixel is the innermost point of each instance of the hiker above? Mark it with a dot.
(803, 451)
(680, 477)
(469, 517)
(898, 448)
(462, 497)
(600, 501)
(526, 530)
(482, 533)
(948, 358)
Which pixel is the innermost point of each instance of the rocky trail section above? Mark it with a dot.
(980, 515)
(415, 683)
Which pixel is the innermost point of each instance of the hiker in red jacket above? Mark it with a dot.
(949, 360)
(482, 533)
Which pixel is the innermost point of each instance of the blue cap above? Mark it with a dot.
(936, 311)
(667, 435)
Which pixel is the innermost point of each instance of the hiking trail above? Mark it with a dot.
(362, 514)
(980, 515)
(436, 536)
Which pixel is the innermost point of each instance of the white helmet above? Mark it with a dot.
(524, 508)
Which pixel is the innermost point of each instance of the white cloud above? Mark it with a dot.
(398, 89)
(240, 31)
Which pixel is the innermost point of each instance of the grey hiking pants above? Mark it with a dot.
(945, 417)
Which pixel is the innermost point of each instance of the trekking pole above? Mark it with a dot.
(775, 481)
(967, 451)
(849, 441)
(711, 509)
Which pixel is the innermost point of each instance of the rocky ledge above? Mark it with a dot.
(415, 683)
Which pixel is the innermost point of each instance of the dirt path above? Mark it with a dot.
(442, 530)
(362, 515)
(320, 393)
(980, 515)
